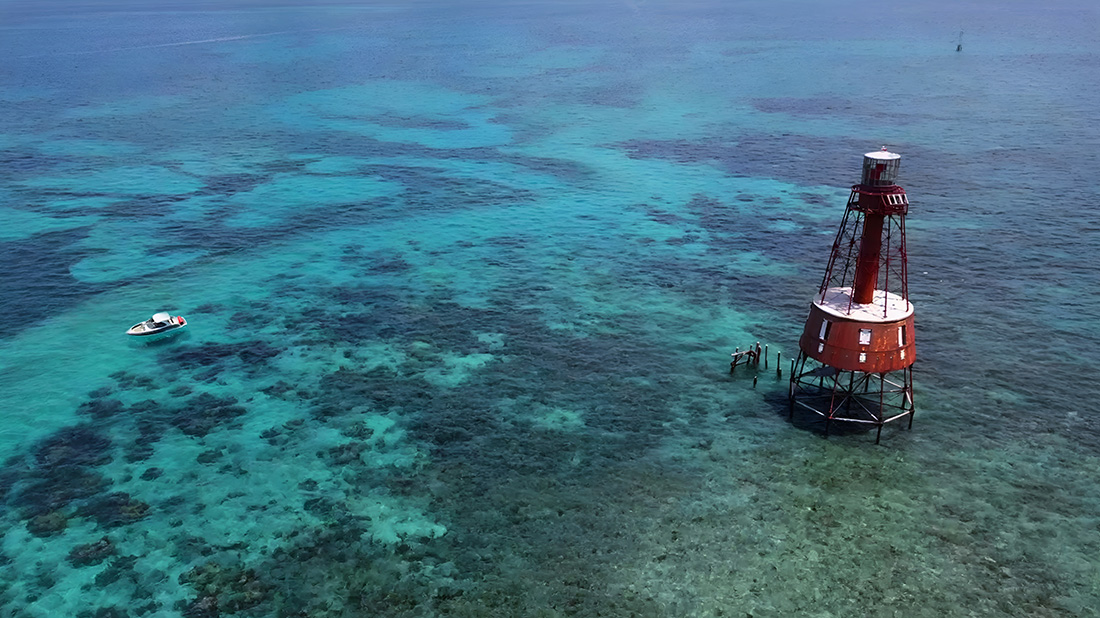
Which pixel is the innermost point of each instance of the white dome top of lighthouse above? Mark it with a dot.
(882, 155)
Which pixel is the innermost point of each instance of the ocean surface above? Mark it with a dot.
(463, 280)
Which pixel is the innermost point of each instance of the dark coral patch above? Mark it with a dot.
(389, 265)
(56, 491)
(222, 589)
(661, 216)
(228, 184)
(209, 456)
(114, 509)
(150, 419)
(808, 107)
(345, 454)
(92, 553)
(101, 409)
(27, 163)
(208, 354)
(111, 612)
(753, 155)
(100, 393)
(202, 413)
(370, 582)
(419, 122)
(118, 568)
(73, 446)
(281, 389)
(36, 279)
(47, 524)
(142, 208)
(209, 308)
(130, 381)
(151, 474)
(324, 508)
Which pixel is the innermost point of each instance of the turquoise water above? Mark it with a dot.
(462, 282)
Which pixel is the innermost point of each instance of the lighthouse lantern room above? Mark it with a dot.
(857, 347)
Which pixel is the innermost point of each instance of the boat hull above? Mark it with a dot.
(154, 332)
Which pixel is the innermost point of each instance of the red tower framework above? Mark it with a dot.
(856, 352)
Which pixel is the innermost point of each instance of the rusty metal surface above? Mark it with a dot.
(841, 348)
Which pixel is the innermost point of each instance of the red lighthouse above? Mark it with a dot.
(856, 353)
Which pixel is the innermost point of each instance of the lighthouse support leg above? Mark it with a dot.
(909, 393)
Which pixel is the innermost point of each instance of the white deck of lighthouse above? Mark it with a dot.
(886, 306)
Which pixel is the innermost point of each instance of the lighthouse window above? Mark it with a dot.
(901, 335)
(864, 336)
(823, 334)
(863, 357)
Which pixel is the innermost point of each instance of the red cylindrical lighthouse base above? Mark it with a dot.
(856, 345)
(874, 338)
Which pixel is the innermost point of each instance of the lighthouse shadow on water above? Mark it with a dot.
(779, 403)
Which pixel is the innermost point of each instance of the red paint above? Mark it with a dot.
(886, 350)
(869, 251)
(870, 245)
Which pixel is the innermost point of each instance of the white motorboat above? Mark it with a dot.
(159, 324)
